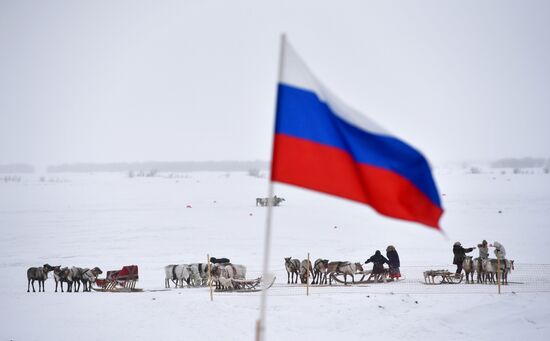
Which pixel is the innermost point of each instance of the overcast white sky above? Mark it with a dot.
(105, 81)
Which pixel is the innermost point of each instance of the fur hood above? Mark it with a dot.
(500, 251)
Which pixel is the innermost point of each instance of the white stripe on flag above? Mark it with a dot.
(296, 73)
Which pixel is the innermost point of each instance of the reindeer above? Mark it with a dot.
(61, 276)
(478, 267)
(305, 271)
(430, 275)
(168, 271)
(228, 271)
(177, 274)
(39, 274)
(88, 276)
(506, 268)
(320, 271)
(74, 278)
(292, 268)
(468, 267)
(275, 201)
(198, 274)
(345, 268)
(226, 283)
(332, 268)
(489, 268)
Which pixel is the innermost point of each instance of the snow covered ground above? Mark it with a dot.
(110, 220)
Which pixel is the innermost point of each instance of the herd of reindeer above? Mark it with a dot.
(486, 269)
(222, 272)
(321, 272)
(73, 276)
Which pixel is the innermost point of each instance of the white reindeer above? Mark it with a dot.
(345, 268)
(177, 274)
(199, 274)
(88, 276)
(320, 271)
(226, 283)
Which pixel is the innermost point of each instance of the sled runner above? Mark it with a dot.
(123, 280)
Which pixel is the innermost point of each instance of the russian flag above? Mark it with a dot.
(323, 145)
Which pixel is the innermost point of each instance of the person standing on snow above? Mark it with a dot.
(460, 254)
(500, 251)
(393, 262)
(483, 250)
(378, 262)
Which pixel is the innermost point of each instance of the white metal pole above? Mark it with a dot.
(260, 324)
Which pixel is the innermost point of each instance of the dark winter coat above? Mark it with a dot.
(378, 262)
(219, 260)
(393, 259)
(460, 253)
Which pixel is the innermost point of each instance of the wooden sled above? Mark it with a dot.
(123, 280)
(371, 278)
(248, 285)
(441, 277)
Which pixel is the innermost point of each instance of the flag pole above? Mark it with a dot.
(260, 323)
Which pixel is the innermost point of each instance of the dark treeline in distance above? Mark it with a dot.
(183, 166)
(526, 162)
(16, 168)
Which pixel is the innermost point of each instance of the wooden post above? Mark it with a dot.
(498, 274)
(307, 275)
(258, 334)
(209, 277)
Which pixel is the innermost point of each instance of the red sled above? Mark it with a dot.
(123, 280)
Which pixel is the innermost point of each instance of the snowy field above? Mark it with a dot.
(111, 220)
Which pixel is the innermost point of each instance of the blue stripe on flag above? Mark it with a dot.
(301, 114)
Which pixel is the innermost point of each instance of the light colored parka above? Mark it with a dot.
(500, 251)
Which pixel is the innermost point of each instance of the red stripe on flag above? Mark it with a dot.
(331, 170)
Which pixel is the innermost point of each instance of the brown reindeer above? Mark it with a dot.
(506, 268)
(320, 269)
(292, 268)
(228, 271)
(61, 275)
(468, 267)
(39, 274)
(489, 268)
(478, 268)
(306, 271)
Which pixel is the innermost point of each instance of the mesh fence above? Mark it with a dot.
(525, 278)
